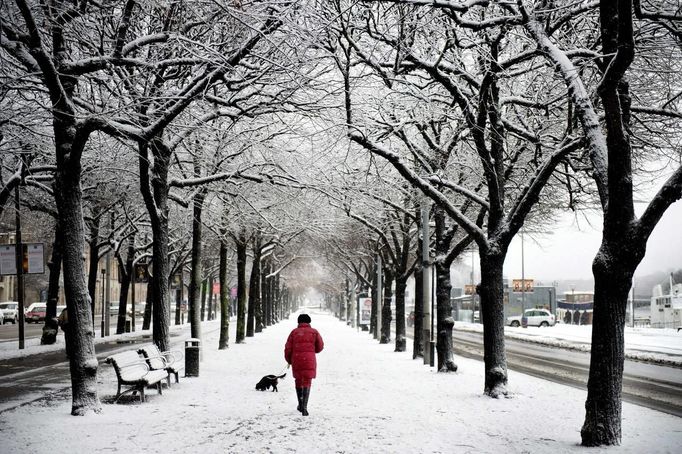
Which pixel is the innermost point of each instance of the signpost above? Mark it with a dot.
(19, 259)
(32, 259)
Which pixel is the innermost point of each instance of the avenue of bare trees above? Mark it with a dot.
(277, 145)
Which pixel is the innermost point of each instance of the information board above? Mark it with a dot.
(365, 310)
(33, 259)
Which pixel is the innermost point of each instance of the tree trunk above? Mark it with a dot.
(278, 299)
(417, 345)
(209, 298)
(400, 332)
(204, 288)
(255, 320)
(224, 299)
(68, 197)
(241, 288)
(50, 329)
(156, 201)
(265, 289)
(195, 277)
(93, 259)
(160, 285)
(375, 306)
(612, 283)
(147, 316)
(179, 296)
(444, 320)
(492, 314)
(386, 315)
(126, 278)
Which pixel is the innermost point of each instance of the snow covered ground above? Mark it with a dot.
(366, 399)
(653, 344)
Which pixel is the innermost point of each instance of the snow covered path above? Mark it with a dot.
(366, 399)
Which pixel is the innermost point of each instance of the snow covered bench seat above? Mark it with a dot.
(170, 361)
(134, 372)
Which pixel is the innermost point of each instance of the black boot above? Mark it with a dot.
(299, 394)
(304, 401)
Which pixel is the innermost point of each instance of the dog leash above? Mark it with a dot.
(285, 369)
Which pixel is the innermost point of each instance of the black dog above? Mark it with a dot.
(268, 381)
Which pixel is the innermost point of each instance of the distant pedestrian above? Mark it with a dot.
(63, 322)
(302, 345)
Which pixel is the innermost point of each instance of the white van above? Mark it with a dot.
(9, 310)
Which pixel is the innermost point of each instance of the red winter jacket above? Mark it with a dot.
(302, 344)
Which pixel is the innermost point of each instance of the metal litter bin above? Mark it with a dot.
(192, 347)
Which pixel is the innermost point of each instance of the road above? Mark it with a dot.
(650, 385)
(10, 332)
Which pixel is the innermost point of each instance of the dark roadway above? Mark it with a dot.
(650, 385)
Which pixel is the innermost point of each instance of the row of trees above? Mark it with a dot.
(500, 114)
(329, 131)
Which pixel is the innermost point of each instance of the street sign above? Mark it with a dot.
(522, 285)
(8, 263)
(33, 259)
(469, 289)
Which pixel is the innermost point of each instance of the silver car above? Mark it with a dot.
(532, 317)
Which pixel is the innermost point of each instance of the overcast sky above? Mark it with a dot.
(568, 252)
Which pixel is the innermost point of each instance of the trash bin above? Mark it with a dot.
(192, 347)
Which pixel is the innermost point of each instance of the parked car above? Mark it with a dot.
(37, 313)
(514, 321)
(33, 305)
(9, 311)
(532, 317)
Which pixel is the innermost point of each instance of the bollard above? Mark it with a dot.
(192, 347)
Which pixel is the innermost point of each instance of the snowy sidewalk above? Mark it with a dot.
(366, 399)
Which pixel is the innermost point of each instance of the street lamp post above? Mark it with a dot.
(380, 299)
(426, 291)
(105, 314)
(473, 291)
(104, 302)
(523, 284)
(20, 268)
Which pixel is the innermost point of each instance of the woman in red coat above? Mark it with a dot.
(302, 345)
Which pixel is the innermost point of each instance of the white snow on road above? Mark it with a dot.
(366, 399)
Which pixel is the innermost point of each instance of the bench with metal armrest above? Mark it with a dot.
(134, 372)
(169, 361)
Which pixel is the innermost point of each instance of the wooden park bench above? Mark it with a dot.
(170, 361)
(134, 372)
